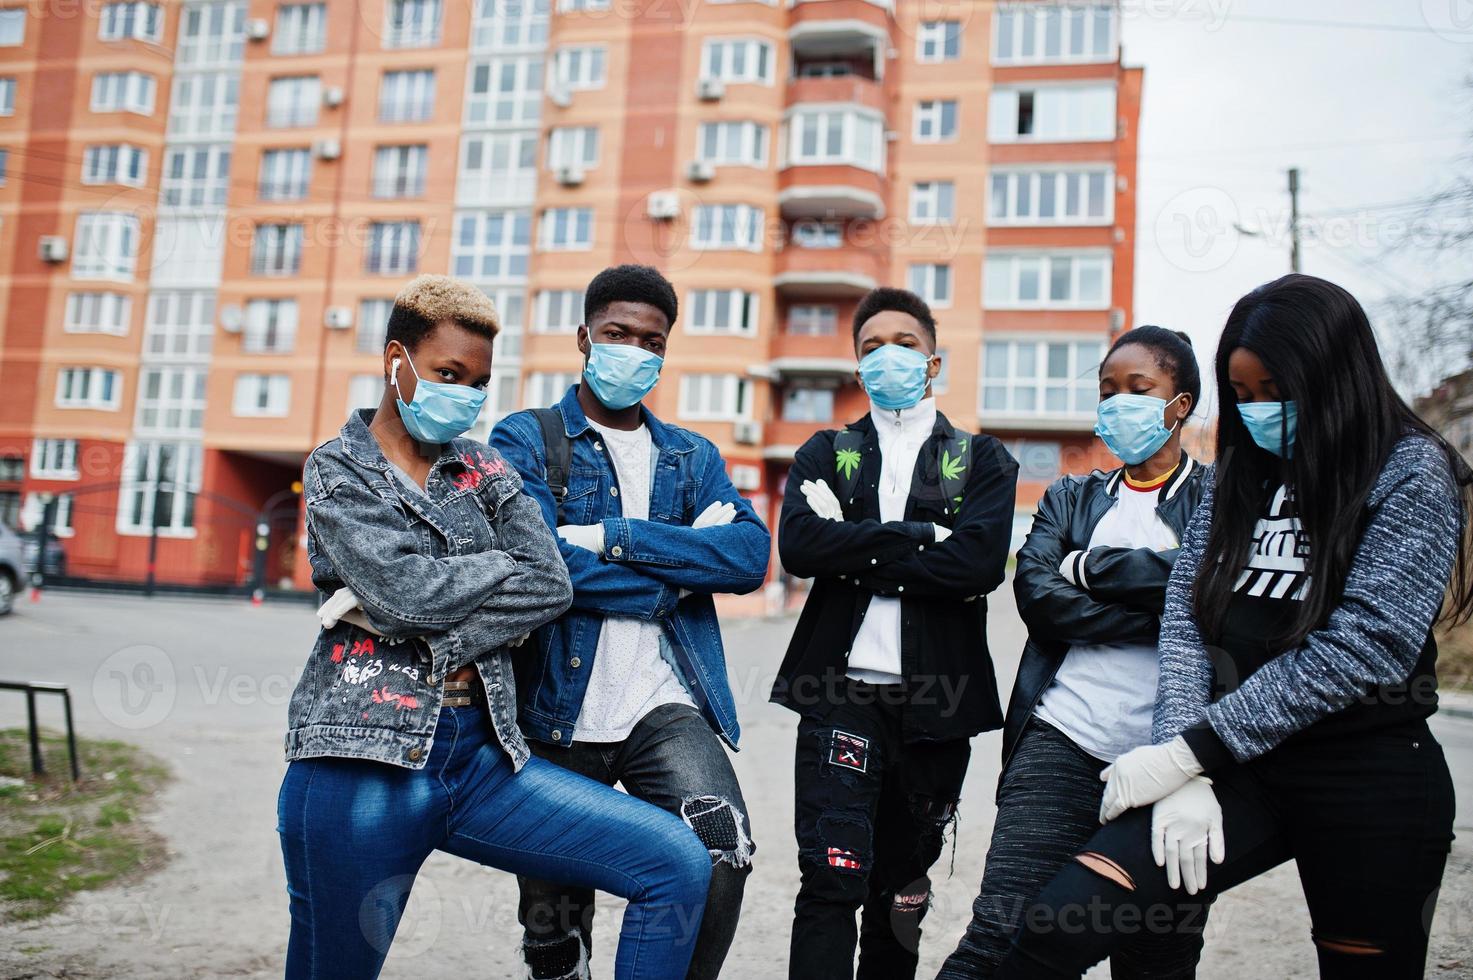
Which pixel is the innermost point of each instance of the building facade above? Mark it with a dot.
(208, 206)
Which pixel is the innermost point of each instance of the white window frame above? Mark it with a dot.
(715, 397)
(371, 330)
(181, 186)
(797, 393)
(136, 20)
(293, 101)
(98, 312)
(171, 400)
(732, 143)
(497, 168)
(406, 96)
(54, 459)
(1068, 104)
(580, 67)
(812, 320)
(930, 114)
(95, 388)
(741, 309)
(932, 282)
(1027, 184)
(392, 248)
(301, 28)
(179, 325)
(566, 230)
(938, 41)
(276, 249)
(286, 174)
(932, 202)
(119, 91)
(758, 60)
(142, 479)
(203, 105)
(548, 387)
(211, 35)
(1078, 382)
(364, 391)
(572, 146)
(496, 107)
(105, 246)
(115, 163)
(557, 311)
(491, 245)
(1003, 273)
(811, 233)
(412, 23)
(400, 171)
(270, 326)
(13, 26)
(581, 6)
(510, 25)
(1012, 30)
(261, 396)
(860, 137)
(709, 224)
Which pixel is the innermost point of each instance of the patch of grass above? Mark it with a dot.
(58, 837)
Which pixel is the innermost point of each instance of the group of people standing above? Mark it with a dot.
(1227, 666)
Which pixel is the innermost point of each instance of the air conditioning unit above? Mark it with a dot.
(1117, 320)
(663, 205)
(53, 248)
(700, 172)
(747, 433)
(710, 89)
(333, 96)
(560, 96)
(258, 29)
(337, 318)
(232, 319)
(569, 176)
(327, 149)
(746, 477)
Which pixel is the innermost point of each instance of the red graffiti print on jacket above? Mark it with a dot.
(361, 648)
(477, 468)
(403, 702)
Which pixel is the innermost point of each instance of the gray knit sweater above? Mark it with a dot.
(1392, 595)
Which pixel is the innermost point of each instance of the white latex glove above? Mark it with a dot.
(1146, 774)
(717, 515)
(589, 536)
(359, 618)
(519, 640)
(337, 604)
(942, 533)
(1186, 828)
(822, 500)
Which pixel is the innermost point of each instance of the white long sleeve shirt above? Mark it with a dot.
(875, 656)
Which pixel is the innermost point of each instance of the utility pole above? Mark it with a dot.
(1294, 219)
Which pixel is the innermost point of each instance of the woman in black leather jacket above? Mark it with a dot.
(1090, 582)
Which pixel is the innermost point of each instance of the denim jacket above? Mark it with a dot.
(644, 567)
(447, 576)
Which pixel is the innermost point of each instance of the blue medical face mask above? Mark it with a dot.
(621, 374)
(894, 377)
(1133, 427)
(440, 411)
(1267, 423)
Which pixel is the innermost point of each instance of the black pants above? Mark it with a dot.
(872, 814)
(1048, 807)
(1367, 818)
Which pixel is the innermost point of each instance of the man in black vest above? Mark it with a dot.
(904, 523)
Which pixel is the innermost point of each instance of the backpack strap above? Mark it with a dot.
(953, 464)
(558, 451)
(848, 461)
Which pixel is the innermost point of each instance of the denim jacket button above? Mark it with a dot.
(576, 662)
(557, 734)
(413, 755)
(598, 445)
(616, 551)
(613, 491)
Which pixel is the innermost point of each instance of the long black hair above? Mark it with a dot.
(1317, 344)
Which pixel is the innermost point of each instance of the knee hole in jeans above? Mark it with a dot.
(720, 827)
(1350, 947)
(1107, 869)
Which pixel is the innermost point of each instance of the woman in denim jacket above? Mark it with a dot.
(402, 731)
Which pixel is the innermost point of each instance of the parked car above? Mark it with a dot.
(12, 565)
(55, 555)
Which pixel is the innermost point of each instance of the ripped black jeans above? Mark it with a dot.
(872, 817)
(1367, 818)
(674, 760)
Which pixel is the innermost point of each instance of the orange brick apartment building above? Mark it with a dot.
(206, 207)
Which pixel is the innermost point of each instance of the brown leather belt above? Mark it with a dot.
(461, 694)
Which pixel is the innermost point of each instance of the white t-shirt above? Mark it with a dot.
(875, 656)
(629, 678)
(1104, 694)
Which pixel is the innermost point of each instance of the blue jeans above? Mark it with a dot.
(355, 832)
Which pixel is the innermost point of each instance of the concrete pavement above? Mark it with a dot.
(204, 685)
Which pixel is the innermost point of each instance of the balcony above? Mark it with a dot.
(830, 192)
(840, 30)
(828, 273)
(846, 89)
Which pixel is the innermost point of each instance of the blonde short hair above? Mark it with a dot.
(427, 300)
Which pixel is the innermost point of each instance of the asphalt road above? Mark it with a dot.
(204, 685)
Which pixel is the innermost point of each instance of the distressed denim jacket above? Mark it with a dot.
(645, 567)
(447, 576)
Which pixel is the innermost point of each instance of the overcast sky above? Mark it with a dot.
(1233, 97)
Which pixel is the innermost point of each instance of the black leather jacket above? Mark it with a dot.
(1124, 588)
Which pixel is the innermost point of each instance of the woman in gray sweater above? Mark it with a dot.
(1297, 664)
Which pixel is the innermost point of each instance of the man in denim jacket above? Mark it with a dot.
(630, 685)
